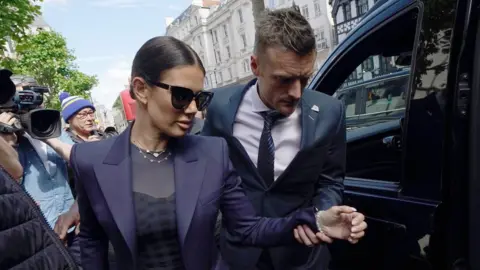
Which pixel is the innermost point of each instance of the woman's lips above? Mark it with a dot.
(184, 125)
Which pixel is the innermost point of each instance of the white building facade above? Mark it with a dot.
(37, 25)
(104, 116)
(223, 34)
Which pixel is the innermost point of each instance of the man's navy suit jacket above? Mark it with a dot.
(205, 182)
(314, 177)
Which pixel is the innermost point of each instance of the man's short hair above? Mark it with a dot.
(285, 27)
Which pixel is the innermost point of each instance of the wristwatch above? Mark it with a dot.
(317, 219)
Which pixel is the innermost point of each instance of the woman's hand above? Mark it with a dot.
(341, 222)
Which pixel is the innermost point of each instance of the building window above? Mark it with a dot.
(229, 55)
(230, 75)
(220, 77)
(206, 83)
(214, 78)
(200, 41)
(215, 35)
(225, 31)
(320, 38)
(218, 57)
(244, 40)
(318, 10)
(367, 65)
(347, 12)
(240, 15)
(211, 34)
(362, 7)
(246, 66)
(305, 11)
(271, 3)
(196, 20)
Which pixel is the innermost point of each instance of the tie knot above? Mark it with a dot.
(271, 116)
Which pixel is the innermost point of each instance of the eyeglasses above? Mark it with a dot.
(182, 97)
(84, 115)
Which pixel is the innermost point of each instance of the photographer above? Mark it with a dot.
(31, 242)
(45, 176)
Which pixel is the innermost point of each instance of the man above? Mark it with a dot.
(79, 113)
(45, 179)
(287, 143)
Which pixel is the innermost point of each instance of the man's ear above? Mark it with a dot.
(254, 65)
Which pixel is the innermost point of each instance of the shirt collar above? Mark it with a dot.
(257, 103)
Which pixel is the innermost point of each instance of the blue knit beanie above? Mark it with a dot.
(72, 104)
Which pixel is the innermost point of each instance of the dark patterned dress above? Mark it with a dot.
(154, 198)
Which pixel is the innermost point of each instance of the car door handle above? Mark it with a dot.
(393, 142)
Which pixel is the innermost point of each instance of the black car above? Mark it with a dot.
(413, 149)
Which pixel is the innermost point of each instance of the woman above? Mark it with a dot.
(155, 193)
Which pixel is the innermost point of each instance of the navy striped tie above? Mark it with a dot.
(266, 149)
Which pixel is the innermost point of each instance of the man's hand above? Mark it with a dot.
(306, 236)
(10, 120)
(66, 221)
(341, 222)
(94, 138)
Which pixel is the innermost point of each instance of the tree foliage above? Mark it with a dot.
(16, 17)
(45, 57)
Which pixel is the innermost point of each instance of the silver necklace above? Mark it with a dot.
(155, 154)
(166, 156)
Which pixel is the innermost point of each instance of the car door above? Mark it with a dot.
(395, 146)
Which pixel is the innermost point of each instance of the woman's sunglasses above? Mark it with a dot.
(182, 97)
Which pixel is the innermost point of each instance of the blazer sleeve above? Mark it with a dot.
(93, 239)
(329, 187)
(240, 219)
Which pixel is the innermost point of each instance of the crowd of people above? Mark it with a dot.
(255, 182)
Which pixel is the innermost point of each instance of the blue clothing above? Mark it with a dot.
(49, 188)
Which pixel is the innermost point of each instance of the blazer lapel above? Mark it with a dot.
(309, 120)
(115, 180)
(189, 172)
(233, 105)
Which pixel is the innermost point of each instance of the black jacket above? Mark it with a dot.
(26, 240)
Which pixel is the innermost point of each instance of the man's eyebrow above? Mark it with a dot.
(290, 76)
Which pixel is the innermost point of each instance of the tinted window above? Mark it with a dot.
(372, 80)
(425, 124)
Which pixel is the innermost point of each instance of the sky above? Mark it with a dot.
(106, 34)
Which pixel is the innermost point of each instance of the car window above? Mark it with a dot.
(375, 93)
(372, 79)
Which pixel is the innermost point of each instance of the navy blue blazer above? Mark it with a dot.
(314, 177)
(205, 183)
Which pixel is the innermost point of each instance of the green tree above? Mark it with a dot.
(45, 57)
(15, 18)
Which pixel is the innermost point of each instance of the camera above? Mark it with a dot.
(26, 105)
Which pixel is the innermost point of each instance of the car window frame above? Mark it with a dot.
(363, 32)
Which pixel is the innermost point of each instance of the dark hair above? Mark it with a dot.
(285, 27)
(160, 54)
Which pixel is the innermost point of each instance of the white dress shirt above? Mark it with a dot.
(286, 132)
